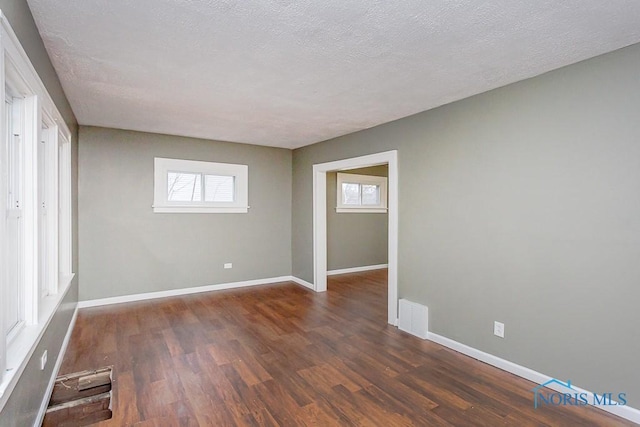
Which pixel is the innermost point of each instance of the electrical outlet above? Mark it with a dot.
(228, 265)
(498, 329)
(43, 360)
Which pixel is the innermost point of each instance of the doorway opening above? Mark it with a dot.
(389, 158)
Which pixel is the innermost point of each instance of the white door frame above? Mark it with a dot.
(320, 220)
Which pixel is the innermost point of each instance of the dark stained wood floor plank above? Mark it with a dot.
(281, 355)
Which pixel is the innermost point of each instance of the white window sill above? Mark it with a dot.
(361, 210)
(20, 350)
(200, 209)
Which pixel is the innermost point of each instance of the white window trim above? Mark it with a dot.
(16, 68)
(65, 209)
(380, 181)
(162, 166)
(51, 144)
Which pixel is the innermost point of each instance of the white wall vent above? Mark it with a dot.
(413, 318)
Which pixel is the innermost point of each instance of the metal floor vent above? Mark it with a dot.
(413, 318)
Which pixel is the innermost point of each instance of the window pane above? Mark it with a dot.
(350, 194)
(370, 194)
(184, 187)
(219, 188)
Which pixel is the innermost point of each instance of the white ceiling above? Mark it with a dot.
(290, 73)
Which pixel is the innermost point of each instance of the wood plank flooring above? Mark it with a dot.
(283, 355)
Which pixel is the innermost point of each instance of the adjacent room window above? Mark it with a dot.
(361, 193)
(188, 186)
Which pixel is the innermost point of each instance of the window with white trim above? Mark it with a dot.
(14, 302)
(35, 207)
(190, 186)
(361, 193)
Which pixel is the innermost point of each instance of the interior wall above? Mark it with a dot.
(127, 249)
(519, 205)
(355, 239)
(22, 407)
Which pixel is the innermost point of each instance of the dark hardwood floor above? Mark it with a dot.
(283, 355)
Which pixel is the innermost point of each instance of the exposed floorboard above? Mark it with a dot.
(284, 355)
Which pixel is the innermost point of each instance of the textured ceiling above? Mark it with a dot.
(289, 73)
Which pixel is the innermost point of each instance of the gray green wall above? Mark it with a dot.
(22, 407)
(355, 239)
(126, 249)
(520, 205)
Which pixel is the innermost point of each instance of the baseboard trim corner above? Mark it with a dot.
(357, 269)
(301, 282)
(626, 412)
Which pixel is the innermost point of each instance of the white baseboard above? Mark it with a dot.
(56, 369)
(625, 412)
(182, 291)
(357, 269)
(301, 282)
(208, 288)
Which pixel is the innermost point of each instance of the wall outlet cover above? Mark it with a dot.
(43, 360)
(498, 329)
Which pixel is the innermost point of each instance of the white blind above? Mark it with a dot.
(350, 193)
(370, 194)
(219, 188)
(184, 187)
